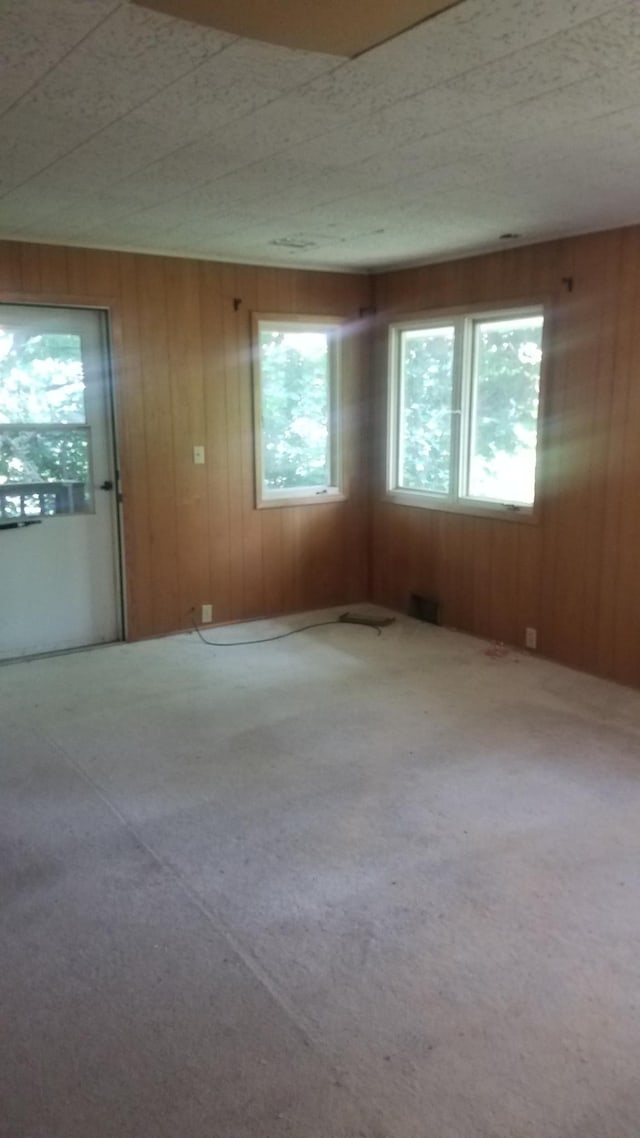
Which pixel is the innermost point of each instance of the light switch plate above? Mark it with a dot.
(198, 456)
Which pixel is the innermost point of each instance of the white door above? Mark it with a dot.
(59, 566)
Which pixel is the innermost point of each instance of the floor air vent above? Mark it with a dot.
(424, 608)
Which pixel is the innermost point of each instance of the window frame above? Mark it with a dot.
(319, 495)
(464, 322)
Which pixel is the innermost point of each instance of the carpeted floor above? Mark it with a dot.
(339, 886)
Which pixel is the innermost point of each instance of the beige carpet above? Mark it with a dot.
(339, 886)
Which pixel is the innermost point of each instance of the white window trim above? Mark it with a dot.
(305, 495)
(463, 321)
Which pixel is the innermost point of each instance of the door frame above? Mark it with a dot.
(111, 332)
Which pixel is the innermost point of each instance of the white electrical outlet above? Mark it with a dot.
(206, 614)
(531, 638)
(198, 456)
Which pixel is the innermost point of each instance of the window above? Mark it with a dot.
(296, 408)
(463, 411)
(44, 439)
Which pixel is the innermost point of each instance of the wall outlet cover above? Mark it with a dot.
(531, 638)
(206, 614)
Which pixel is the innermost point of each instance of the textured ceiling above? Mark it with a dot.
(123, 128)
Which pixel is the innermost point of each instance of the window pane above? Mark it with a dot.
(426, 383)
(295, 392)
(41, 377)
(44, 472)
(503, 429)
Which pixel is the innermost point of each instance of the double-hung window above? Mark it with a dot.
(296, 405)
(464, 395)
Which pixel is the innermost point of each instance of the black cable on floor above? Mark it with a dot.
(377, 628)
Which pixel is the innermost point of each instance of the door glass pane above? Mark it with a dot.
(41, 377)
(44, 472)
(295, 383)
(426, 396)
(44, 443)
(505, 396)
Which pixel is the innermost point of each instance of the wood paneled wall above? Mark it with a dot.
(182, 377)
(574, 575)
(192, 534)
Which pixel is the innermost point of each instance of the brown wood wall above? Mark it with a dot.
(192, 535)
(182, 377)
(574, 575)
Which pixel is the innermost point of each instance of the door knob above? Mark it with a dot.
(107, 485)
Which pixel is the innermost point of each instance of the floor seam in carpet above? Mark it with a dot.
(248, 959)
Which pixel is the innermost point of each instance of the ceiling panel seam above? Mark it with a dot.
(281, 95)
(207, 181)
(87, 35)
(112, 122)
(206, 134)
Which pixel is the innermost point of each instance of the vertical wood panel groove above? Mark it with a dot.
(573, 575)
(182, 372)
(187, 531)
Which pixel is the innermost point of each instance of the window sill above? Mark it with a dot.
(523, 515)
(313, 499)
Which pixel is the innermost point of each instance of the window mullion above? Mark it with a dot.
(466, 405)
(457, 411)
